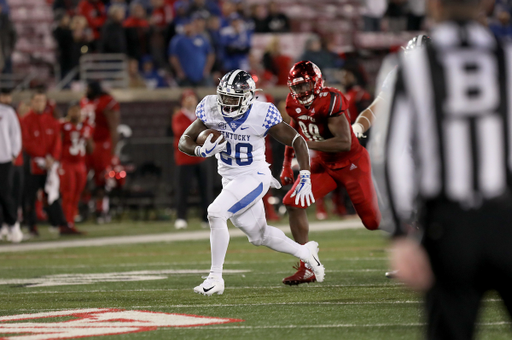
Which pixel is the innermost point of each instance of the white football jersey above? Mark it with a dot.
(245, 135)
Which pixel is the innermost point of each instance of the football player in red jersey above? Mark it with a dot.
(320, 115)
(101, 111)
(76, 140)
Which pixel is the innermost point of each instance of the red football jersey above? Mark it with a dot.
(74, 139)
(94, 115)
(313, 123)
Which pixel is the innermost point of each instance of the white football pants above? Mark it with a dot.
(240, 201)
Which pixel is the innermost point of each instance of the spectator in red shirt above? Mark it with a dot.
(137, 32)
(41, 142)
(95, 13)
(76, 140)
(188, 168)
(162, 13)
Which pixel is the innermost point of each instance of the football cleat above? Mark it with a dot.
(180, 224)
(69, 230)
(303, 275)
(314, 261)
(53, 229)
(210, 286)
(15, 235)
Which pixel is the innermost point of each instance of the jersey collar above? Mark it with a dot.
(234, 123)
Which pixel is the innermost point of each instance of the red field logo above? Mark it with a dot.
(97, 321)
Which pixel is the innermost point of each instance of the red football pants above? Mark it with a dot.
(357, 180)
(100, 160)
(73, 177)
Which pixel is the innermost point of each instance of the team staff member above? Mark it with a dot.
(10, 147)
(42, 143)
(102, 113)
(76, 141)
(188, 167)
(451, 109)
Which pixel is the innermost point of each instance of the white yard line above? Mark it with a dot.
(263, 304)
(167, 237)
(412, 324)
(388, 285)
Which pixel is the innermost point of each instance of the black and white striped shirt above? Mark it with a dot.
(448, 131)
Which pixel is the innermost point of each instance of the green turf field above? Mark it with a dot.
(355, 301)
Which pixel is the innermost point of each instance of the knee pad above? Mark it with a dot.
(216, 211)
(257, 238)
(256, 242)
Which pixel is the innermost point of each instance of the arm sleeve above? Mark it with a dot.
(15, 134)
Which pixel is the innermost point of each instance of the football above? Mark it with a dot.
(203, 135)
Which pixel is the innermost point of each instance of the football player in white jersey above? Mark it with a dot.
(246, 177)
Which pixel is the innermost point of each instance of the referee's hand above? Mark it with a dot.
(411, 262)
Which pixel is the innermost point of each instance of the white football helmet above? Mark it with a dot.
(235, 93)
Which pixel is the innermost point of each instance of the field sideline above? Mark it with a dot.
(96, 287)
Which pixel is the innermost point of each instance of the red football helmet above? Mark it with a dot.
(305, 82)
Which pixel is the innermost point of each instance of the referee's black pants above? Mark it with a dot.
(471, 253)
(17, 185)
(185, 175)
(54, 210)
(6, 200)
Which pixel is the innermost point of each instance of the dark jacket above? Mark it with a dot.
(7, 38)
(113, 38)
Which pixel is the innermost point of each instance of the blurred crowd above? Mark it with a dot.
(168, 42)
(193, 42)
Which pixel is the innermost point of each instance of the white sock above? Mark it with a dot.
(275, 239)
(219, 240)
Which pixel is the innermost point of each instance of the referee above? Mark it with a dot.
(10, 147)
(445, 150)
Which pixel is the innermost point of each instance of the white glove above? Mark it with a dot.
(358, 130)
(303, 190)
(209, 149)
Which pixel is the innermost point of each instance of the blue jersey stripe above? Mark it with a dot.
(244, 202)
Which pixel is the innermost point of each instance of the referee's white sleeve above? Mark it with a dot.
(393, 159)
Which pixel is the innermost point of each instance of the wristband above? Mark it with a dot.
(305, 173)
(197, 151)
